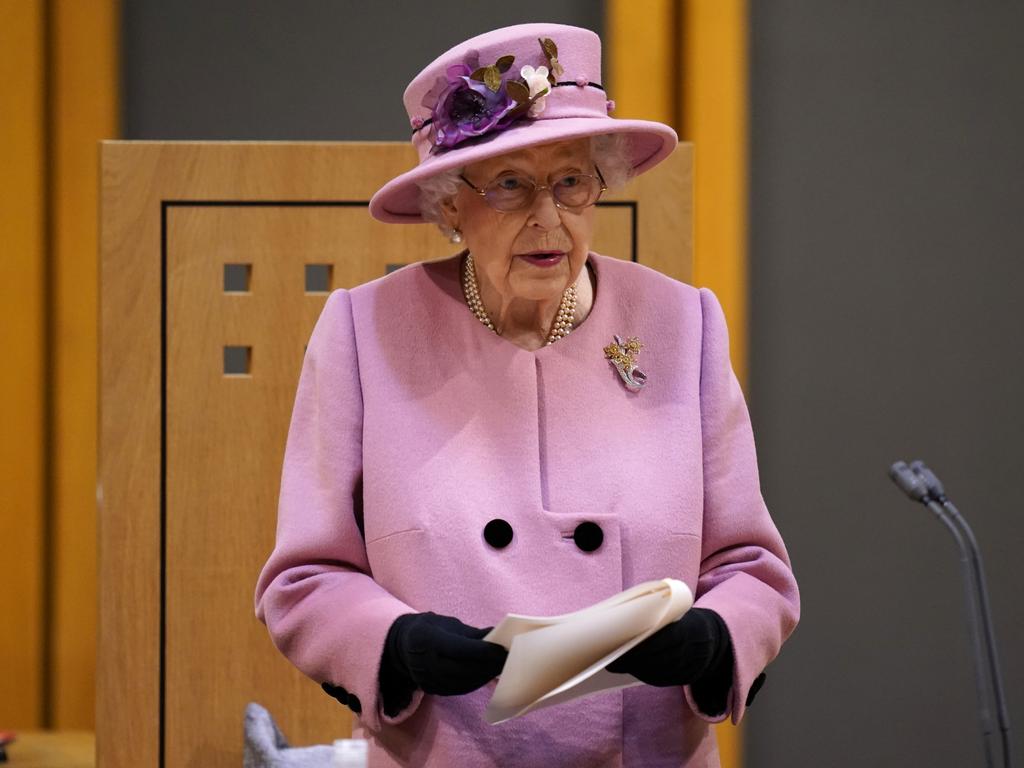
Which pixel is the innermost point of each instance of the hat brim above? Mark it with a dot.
(397, 201)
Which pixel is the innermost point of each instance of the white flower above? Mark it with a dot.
(537, 81)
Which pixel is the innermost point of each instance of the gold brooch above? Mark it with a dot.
(623, 357)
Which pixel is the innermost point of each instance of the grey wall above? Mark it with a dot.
(887, 248)
(302, 69)
(887, 263)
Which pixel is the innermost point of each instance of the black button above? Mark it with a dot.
(588, 536)
(755, 687)
(336, 691)
(498, 533)
(350, 700)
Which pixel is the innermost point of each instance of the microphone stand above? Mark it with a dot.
(937, 492)
(921, 484)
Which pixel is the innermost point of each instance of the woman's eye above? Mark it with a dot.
(510, 183)
(569, 181)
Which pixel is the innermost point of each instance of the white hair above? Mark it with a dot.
(609, 151)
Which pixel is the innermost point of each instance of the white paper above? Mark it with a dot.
(552, 659)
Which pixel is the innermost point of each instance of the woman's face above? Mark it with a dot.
(502, 242)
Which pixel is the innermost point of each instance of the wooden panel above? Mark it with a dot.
(84, 111)
(613, 231)
(189, 502)
(22, 336)
(664, 215)
(225, 446)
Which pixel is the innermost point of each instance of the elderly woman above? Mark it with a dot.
(526, 427)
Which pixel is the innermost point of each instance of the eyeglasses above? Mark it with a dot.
(514, 191)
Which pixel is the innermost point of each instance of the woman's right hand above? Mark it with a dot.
(438, 654)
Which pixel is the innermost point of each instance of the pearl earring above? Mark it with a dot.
(455, 236)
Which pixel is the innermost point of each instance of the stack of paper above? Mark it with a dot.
(552, 659)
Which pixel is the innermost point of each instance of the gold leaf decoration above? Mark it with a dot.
(504, 64)
(518, 91)
(522, 107)
(555, 70)
(489, 76)
(492, 78)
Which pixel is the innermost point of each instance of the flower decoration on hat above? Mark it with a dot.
(473, 100)
(469, 107)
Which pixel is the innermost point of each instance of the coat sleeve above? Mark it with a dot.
(745, 573)
(316, 595)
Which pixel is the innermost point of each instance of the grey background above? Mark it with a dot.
(887, 225)
(886, 240)
(301, 69)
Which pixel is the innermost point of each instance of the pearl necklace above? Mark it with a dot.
(471, 291)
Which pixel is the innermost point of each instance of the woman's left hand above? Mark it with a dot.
(693, 648)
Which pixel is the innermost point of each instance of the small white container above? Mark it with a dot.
(350, 753)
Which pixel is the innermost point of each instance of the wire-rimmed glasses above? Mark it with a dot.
(571, 191)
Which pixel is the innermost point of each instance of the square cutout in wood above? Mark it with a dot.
(237, 278)
(237, 361)
(318, 278)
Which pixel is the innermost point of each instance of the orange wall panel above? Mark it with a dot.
(22, 387)
(58, 99)
(84, 112)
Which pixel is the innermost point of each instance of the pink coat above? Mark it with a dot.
(414, 426)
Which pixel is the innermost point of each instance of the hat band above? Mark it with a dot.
(423, 123)
(583, 99)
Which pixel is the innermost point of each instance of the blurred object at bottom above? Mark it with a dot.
(6, 737)
(266, 747)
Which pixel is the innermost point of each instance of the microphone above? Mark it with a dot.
(937, 492)
(908, 481)
(919, 483)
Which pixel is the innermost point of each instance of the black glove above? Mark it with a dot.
(694, 650)
(437, 653)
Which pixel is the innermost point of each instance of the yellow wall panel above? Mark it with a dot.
(22, 405)
(714, 118)
(84, 110)
(642, 43)
(58, 79)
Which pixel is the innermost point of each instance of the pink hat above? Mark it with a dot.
(504, 90)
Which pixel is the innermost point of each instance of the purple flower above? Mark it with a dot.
(468, 108)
